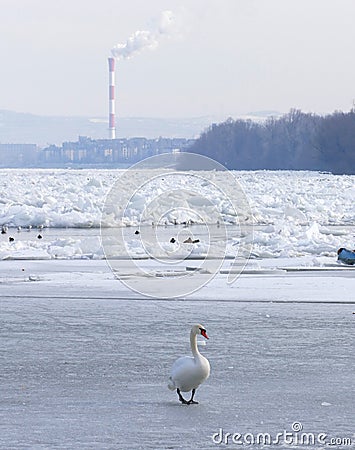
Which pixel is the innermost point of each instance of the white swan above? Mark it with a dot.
(187, 372)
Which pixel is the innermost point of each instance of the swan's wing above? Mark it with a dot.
(178, 370)
(184, 361)
(185, 374)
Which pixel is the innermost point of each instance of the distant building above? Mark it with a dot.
(108, 151)
(90, 151)
(18, 155)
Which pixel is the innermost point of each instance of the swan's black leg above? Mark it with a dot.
(191, 401)
(181, 398)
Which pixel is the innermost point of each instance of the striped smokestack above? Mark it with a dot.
(111, 98)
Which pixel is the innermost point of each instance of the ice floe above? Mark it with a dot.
(294, 213)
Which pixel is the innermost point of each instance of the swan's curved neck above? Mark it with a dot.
(193, 343)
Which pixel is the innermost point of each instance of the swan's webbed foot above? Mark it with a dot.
(192, 401)
(181, 398)
(187, 402)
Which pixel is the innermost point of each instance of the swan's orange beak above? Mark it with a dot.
(204, 334)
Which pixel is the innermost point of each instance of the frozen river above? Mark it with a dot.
(85, 361)
(86, 349)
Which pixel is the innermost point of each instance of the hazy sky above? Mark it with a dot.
(224, 58)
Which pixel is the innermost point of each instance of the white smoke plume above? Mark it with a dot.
(145, 39)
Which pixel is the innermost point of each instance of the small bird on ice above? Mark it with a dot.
(188, 372)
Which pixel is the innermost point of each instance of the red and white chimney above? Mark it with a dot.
(111, 99)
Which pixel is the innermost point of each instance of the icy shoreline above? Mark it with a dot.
(295, 280)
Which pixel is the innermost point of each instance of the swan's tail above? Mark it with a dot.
(171, 384)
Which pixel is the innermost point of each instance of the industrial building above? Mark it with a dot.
(111, 151)
(93, 151)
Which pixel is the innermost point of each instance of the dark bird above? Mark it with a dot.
(191, 241)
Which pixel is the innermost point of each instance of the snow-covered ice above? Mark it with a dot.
(294, 213)
(74, 198)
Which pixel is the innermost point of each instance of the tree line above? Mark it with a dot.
(295, 141)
